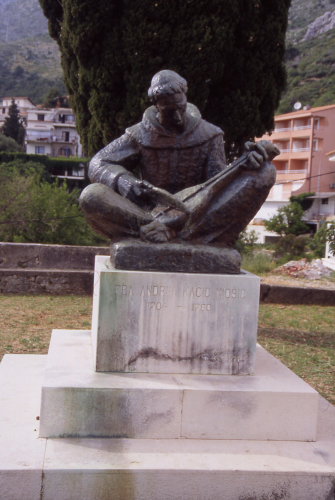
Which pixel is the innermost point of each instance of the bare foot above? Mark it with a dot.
(157, 232)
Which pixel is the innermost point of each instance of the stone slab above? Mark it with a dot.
(173, 323)
(274, 404)
(172, 257)
(36, 256)
(50, 282)
(150, 469)
(21, 450)
(278, 294)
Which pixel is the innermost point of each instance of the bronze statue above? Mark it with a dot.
(186, 192)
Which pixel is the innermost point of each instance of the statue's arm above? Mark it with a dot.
(217, 158)
(118, 158)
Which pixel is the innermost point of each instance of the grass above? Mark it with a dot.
(302, 337)
(258, 263)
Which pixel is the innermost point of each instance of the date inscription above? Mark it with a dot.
(164, 293)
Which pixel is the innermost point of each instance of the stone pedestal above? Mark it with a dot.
(189, 433)
(274, 404)
(156, 322)
(33, 468)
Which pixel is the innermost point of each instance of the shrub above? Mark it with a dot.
(9, 145)
(291, 246)
(287, 220)
(318, 243)
(34, 211)
(246, 241)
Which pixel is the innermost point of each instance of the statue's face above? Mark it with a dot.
(172, 111)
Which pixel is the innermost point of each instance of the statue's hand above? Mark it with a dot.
(256, 155)
(132, 188)
(157, 232)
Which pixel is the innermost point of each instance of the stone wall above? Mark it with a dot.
(64, 270)
(48, 269)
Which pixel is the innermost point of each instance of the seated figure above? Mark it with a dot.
(166, 178)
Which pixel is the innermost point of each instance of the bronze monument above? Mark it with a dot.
(165, 183)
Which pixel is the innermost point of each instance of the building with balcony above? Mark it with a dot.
(306, 139)
(23, 103)
(52, 132)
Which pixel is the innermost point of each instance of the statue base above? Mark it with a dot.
(173, 257)
(160, 322)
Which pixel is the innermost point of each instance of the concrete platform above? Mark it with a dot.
(273, 404)
(33, 468)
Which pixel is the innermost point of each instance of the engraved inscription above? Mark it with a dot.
(158, 291)
(195, 292)
(201, 307)
(227, 293)
(156, 306)
(123, 290)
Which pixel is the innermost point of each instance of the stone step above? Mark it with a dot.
(274, 404)
(33, 468)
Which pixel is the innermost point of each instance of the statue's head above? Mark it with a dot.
(166, 83)
(168, 94)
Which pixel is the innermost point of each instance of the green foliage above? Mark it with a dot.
(291, 246)
(34, 211)
(330, 231)
(246, 242)
(318, 243)
(8, 144)
(54, 97)
(51, 164)
(26, 169)
(287, 220)
(231, 53)
(310, 73)
(303, 199)
(12, 126)
(26, 83)
(258, 263)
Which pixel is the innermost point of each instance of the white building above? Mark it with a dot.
(23, 103)
(52, 132)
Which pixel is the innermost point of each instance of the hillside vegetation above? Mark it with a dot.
(25, 45)
(310, 73)
(29, 58)
(21, 19)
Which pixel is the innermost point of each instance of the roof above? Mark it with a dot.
(306, 112)
(14, 97)
(17, 97)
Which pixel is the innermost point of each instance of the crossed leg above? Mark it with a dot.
(226, 216)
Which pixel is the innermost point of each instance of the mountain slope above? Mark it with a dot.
(21, 19)
(25, 45)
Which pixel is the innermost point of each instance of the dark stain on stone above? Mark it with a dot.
(154, 417)
(279, 493)
(149, 352)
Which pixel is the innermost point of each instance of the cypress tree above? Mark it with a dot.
(12, 126)
(230, 52)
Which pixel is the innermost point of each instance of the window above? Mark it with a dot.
(3, 111)
(40, 150)
(65, 152)
(66, 136)
(324, 201)
(40, 118)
